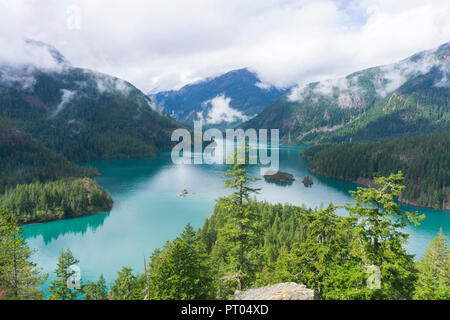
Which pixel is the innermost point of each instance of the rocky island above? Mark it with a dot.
(307, 181)
(279, 176)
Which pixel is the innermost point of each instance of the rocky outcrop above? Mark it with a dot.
(279, 176)
(280, 291)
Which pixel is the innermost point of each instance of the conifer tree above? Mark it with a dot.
(379, 223)
(63, 287)
(237, 239)
(434, 271)
(96, 291)
(19, 277)
(127, 286)
(180, 271)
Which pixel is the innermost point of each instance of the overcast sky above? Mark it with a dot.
(159, 45)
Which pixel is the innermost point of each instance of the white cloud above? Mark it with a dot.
(388, 78)
(444, 82)
(159, 45)
(218, 110)
(66, 97)
(106, 83)
(264, 86)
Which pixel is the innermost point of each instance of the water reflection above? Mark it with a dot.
(51, 231)
(148, 211)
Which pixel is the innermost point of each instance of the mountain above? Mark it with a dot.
(80, 113)
(424, 161)
(25, 160)
(404, 98)
(226, 100)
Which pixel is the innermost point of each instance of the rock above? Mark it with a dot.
(280, 291)
(307, 181)
(279, 176)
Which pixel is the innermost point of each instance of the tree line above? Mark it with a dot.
(61, 199)
(247, 244)
(424, 160)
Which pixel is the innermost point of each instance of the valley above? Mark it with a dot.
(76, 143)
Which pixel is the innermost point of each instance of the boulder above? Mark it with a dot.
(280, 291)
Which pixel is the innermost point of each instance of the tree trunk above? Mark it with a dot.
(375, 239)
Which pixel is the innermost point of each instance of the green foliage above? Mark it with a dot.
(179, 271)
(19, 277)
(423, 159)
(59, 288)
(127, 286)
(237, 238)
(237, 176)
(105, 118)
(25, 160)
(379, 221)
(96, 290)
(417, 107)
(324, 261)
(56, 200)
(434, 277)
(357, 108)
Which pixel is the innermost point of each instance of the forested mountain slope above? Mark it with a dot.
(405, 98)
(424, 160)
(80, 113)
(24, 160)
(52, 114)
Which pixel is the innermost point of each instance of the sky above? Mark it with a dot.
(162, 45)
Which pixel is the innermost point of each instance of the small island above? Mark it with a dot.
(279, 176)
(307, 181)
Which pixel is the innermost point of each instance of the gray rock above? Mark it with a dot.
(280, 291)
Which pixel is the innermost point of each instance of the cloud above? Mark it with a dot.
(444, 82)
(385, 79)
(218, 110)
(264, 86)
(67, 96)
(21, 77)
(106, 83)
(161, 45)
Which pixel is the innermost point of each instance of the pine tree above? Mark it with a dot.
(380, 220)
(127, 286)
(434, 271)
(19, 277)
(96, 291)
(237, 239)
(179, 271)
(63, 287)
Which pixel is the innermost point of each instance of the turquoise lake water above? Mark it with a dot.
(148, 211)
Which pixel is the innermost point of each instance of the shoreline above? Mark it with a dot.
(68, 218)
(370, 183)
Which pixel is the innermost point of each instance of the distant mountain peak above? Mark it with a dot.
(58, 57)
(223, 100)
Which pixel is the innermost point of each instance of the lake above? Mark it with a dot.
(148, 211)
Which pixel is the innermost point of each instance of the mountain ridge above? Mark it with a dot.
(315, 112)
(227, 99)
(81, 113)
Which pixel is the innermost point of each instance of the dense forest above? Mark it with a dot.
(424, 160)
(366, 105)
(417, 107)
(61, 199)
(85, 115)
(246, 244)
(25, 160)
